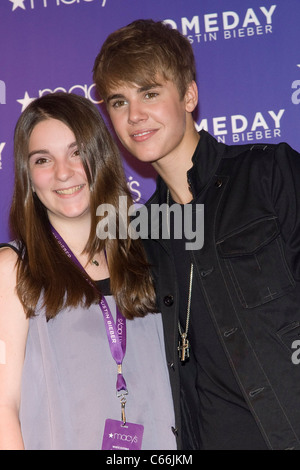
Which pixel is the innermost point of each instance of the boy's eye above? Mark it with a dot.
(151, 94)
(118, 103)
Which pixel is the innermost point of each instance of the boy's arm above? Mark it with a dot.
(286, 197)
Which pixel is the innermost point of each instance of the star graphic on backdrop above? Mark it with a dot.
(25, 101)
(111, 435)
(18, 4)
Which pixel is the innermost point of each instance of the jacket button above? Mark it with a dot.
(168, 300)
(207, 272)
(218, 183)
(174, 431)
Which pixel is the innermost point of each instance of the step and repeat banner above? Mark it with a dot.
(248, 65)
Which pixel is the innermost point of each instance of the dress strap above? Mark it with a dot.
(12, 246)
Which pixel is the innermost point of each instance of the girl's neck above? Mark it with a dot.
(74, 231)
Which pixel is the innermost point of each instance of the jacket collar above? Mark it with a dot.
(206, 159)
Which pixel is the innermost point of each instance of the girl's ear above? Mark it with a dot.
(191, 97)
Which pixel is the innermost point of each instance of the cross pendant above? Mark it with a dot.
(184, 348)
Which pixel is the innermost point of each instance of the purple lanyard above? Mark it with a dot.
(115, 331)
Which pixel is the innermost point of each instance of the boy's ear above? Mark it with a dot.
(191, 97)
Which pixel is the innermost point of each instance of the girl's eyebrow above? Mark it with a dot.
(34, 152)
(46, 152)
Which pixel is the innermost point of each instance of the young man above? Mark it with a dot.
(235, 300)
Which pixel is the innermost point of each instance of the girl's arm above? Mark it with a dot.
(13, 336)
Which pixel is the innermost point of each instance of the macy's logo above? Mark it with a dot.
(34, 3)
(117, 436)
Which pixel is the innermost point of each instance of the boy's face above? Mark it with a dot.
(150, 121)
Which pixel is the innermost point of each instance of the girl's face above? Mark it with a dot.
(56, 171)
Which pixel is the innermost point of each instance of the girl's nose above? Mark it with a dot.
(63, 170)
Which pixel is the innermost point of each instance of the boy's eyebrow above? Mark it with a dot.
(139, 90)
(149, 87)
(114, 96)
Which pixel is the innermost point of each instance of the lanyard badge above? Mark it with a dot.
(119, 435)
(116, 335)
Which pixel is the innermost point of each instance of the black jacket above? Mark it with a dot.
(249, 272)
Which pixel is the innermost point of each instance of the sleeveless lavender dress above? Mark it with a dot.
(69, 380)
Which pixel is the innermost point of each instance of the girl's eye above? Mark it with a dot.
(76, 153)
(41, 161)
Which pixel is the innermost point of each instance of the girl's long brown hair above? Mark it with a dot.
(43, 268)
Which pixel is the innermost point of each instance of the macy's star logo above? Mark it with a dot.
(25, 101)
(18, 4)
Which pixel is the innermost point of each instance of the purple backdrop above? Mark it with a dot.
(247, 53)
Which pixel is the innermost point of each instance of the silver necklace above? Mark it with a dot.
(184, 344)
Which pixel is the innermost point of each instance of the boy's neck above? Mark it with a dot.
(174, 171)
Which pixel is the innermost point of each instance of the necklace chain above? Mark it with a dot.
(184, 345)
(188, 310)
